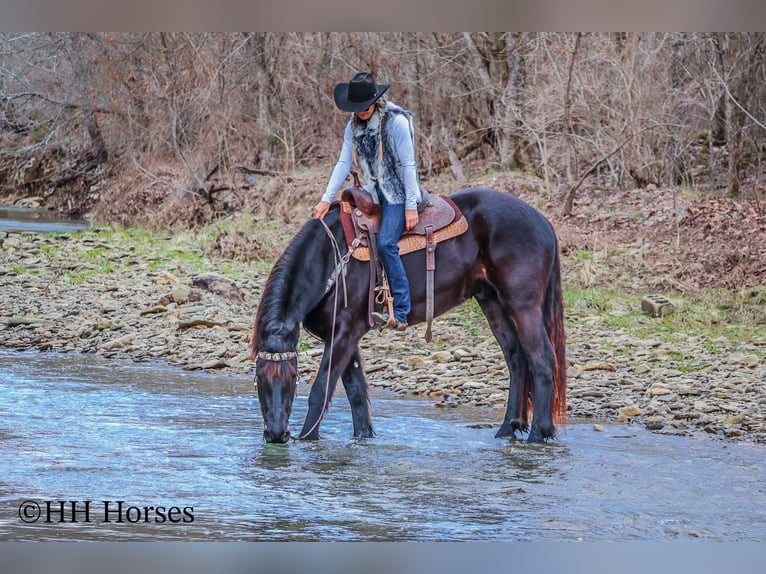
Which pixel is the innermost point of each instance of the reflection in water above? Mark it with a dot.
(79, 428)
(272, 457)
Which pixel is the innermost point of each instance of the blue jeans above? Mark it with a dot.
(391, 229)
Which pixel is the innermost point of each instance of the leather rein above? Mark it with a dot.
(339, 272)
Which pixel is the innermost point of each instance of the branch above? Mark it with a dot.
(569, 201)
(733, 99)
(247, 170)
(158, 179)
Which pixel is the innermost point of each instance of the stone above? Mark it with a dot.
(657, 305)
(154, 309)
(599, 366)
(627, 412)
(441, 357)
(25, 320)
(180, 293)
(219, 285)
(119, 342)
(734, 420)
(214, 364)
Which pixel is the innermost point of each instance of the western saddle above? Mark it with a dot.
(439, 219)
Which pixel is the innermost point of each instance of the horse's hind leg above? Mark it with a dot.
(356, 387)
(540, 357)
(534, 358)
(505, 333)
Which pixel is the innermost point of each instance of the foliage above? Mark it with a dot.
(166, 118)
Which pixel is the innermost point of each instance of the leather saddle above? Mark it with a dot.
(360, 217)
(439, 219)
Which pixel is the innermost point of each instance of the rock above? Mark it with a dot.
(598, 428)
(415, 361)
(25, 321)
(119, 342)
(658, 390)
(198, 322)
(214, 364)
(219, 285)
(599, 366)
(461, 354)
(441, 357)
(751, 360)
(657, 305)
(166, 278)
(627, 412)
(734, 420)
(11, 242)
(180, 294)
(154, 309)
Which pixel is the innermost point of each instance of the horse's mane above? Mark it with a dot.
(278, 286)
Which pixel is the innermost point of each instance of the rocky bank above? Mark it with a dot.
(87, 293)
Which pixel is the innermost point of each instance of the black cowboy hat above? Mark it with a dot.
(359, 93)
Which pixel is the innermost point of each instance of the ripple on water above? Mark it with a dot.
(80, 428)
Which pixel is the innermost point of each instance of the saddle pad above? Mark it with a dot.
(410, 243)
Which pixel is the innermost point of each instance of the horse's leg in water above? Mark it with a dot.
(505, 333)
(539, 351)
(524, 306)
(357, 392)
(323, 387)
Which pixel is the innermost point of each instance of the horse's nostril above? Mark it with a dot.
(270, 437)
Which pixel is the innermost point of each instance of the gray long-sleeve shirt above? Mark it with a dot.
(402, 139)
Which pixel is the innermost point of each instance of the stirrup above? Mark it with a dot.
(384, 321)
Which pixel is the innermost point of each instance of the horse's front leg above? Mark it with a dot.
(335, 361)
(357, 392)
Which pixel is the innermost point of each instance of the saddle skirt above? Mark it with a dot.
(438, 218)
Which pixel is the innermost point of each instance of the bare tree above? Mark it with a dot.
(183, 109)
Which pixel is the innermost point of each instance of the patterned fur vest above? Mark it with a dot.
(380, 165)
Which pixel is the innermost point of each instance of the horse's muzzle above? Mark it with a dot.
(278, 437)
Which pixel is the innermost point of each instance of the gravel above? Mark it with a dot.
(126, 304)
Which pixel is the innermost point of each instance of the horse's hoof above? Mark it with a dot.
(507, 430)
(535, 438)
(536, 435)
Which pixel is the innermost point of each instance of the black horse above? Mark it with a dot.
(508, 260)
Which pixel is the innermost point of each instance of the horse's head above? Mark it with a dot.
(276, 376)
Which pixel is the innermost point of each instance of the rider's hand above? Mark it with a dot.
(321, 210)
(410, 218)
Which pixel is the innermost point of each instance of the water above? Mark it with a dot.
(37, 220)
(77, 428)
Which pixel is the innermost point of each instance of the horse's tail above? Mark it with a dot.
(553, 315)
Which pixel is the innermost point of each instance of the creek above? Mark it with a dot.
(128, 437)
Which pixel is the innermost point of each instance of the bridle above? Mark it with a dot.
(277, 357)
(339, 271)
